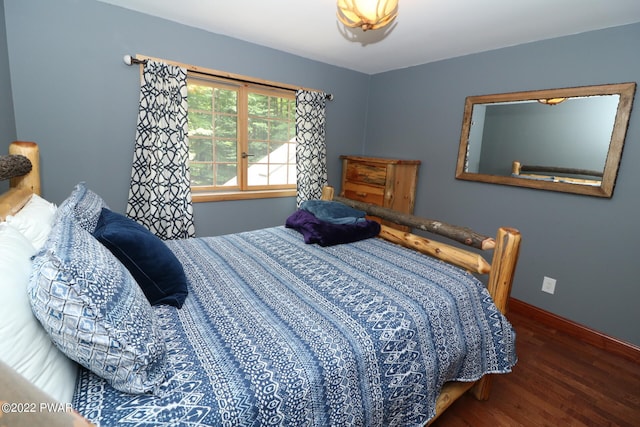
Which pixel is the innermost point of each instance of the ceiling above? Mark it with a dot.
(424, 31)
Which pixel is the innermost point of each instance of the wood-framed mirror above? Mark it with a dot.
(568, 140)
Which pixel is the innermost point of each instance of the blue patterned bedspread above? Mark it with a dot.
(278, 332)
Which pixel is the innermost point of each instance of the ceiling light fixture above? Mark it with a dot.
(367, 14)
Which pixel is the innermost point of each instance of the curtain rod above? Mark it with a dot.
(130, 60)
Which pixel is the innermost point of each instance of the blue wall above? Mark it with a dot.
(589, 244)
(7, 119)
(75, 97)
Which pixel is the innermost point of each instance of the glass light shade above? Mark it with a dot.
(367, 14)
(551, 101)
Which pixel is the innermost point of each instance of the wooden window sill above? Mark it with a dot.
(217, 196)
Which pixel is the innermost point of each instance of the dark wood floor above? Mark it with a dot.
(558, 381)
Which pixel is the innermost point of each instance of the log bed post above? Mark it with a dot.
(503, 266)
(21, 186)
(30, 181)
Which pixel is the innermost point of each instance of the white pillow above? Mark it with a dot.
(34, 220)
(24, 344)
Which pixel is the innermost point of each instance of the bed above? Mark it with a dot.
(268, 329)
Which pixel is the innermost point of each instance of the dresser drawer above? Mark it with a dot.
(366, 173)
(363, 193)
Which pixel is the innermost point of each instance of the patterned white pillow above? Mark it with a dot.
(84, 205)
(24, 344)
(94, 310)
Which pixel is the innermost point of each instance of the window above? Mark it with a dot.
(242, 140)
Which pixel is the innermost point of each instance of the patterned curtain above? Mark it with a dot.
(160, 192)
(311, 151)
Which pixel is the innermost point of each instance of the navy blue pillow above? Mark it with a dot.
(153, 265)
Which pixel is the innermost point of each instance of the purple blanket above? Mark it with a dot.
(325, 233)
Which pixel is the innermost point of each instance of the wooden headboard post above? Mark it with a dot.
(22, 185)
(30, 150)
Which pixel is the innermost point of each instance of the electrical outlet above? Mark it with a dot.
(548, 285)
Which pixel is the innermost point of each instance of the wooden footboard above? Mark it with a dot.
(500, 271)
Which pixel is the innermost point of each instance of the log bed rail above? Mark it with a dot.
(505, 246)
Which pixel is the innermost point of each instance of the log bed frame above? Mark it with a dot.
(25, 181)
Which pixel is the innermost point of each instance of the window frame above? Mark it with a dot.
(242, 190)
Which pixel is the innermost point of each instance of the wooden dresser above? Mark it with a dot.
(390, 183)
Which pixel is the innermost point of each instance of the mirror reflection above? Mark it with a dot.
(559, 139)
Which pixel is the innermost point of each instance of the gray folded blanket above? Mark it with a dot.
(333, 212)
